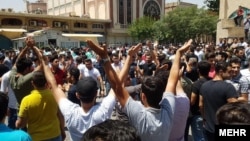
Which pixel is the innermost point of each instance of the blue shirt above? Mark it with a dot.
(8, 134)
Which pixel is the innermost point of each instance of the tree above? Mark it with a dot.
(184, 23)
(213, 5)
(142, 28)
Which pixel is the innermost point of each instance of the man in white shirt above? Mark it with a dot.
(90, 70)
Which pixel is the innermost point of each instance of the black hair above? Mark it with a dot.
(53, 57)
(221, 66)
(234, 113)
(75, 73)
(204, 68)
(111, 130)
(4, 100)
(153, 88)
(22, 64)
(39, 79)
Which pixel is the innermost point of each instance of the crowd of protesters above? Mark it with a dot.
(154, 92)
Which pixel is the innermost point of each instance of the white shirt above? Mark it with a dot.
(81, 68)
(246, 73)
(94, 73)
(5, 87)
(78, 122)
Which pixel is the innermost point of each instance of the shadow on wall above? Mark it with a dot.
(6, 43)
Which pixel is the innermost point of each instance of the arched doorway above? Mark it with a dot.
(6, 43)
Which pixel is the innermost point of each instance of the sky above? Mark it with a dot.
(19, 5)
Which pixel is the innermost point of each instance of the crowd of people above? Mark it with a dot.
(144, 92)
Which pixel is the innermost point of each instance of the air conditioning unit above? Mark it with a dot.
(57, 24)
(33, 23)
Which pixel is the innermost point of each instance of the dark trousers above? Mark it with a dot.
(246, 34)
(12, 117)
(238, 20)
(209, 136)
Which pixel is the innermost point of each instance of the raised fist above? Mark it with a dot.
(30, 42)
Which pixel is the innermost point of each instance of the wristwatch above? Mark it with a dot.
(104, 60)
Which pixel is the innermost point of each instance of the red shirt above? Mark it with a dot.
(60, 75)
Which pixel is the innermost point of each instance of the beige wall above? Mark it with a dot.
(225, 26)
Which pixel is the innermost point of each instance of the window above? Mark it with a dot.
(121, 12)
(57, 24)
(80, 25)
(11, 21)
(100, 26)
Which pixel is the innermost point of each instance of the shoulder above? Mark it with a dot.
(23, 136)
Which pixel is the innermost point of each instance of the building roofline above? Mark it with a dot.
(30, 15)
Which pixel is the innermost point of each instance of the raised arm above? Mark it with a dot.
(131, 52)
(174, 73)
(116, 84)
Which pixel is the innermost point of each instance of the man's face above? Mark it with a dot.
(148, 59)
(211, 61)
(240, 54)
(235, 69)
(88, 65)
(55, 63)
(115, 59)
(228, 74)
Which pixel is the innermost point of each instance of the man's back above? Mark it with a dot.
(40, 110)
(215, 94)
(78, 121)
(151, 123)
(21, 84)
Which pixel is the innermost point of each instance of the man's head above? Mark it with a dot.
(210, 57)
(86, 89)
(54, 60)
(39, 80)
(204, 68)
(4, 105)
(88, 64)
(73, 75)
(235, 64)
(24, 65)
(111, 130)
(237, 113)
(148, 58)
(223, 69)
(152, 91)
(115, 58)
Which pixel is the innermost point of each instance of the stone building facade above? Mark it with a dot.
(226, 27)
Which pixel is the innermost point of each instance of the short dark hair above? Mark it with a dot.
(87, 89)
(39, 79)
(204, 68)
(75, 73)
(53, 57)
(22, 64)
(221, 66)
(235, 60)
(111, 130)
(153, 88)
(234, 113)
(4, 100)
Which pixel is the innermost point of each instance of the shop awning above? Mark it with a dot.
(12, 33)
(83, 37)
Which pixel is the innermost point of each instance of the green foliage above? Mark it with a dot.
(213, 5)
(177, 26)
(142, 28)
